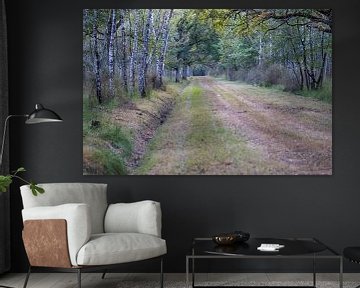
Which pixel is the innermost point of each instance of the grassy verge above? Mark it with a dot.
(106, 146)
(322, 94)
(115, 134)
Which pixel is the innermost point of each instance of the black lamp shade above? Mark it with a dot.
(42, 115)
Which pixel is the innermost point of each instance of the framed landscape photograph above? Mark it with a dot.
(207, 92)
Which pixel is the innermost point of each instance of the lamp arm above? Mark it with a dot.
(4, 134)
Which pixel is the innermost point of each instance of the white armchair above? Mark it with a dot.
(72, 228)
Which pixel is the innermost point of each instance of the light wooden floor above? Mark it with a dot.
(68, 280)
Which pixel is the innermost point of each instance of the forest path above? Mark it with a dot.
(222, 127)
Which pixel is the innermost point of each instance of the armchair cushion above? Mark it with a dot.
(138, 217)
(113, 248)
(92, 194)
(78, 221)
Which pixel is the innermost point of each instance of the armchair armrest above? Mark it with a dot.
(138, 217)
(77, 219)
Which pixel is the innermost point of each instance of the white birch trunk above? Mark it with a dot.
(156, 36)
(108, 31)
(111, 54)
(161, 60)
(260, 57)
(97, 59)
(144, 64)
(123, 49)
(134, 52)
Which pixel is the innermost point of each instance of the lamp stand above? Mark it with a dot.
(4, 135)
(39, 115)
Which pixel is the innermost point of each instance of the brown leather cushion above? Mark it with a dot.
(46, 243)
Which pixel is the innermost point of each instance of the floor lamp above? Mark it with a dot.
(39, 115)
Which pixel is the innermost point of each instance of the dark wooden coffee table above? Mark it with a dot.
(294, 248)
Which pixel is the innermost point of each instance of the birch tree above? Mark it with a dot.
(161, 59)
(134, 53)
(156, 34)
(123, 46)
(260, 52)
(111, 54)
(108, 30)
(144, 65)
(97, 58)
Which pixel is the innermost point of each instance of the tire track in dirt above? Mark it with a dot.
(293, 131)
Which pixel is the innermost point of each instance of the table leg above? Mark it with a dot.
(314, 271)
(187, 272)
(193, 272)
(341, 273)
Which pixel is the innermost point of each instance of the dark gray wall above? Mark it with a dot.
(45, 48)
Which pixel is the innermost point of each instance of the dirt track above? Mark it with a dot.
(292, 130)
(243, 130)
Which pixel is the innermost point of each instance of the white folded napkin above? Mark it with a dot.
(270, 247)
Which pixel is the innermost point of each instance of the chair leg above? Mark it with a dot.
(103, 275)
(161, 273)
(27, 277)
(79, 277)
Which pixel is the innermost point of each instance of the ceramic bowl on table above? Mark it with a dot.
(231, 238)
(224, 239)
